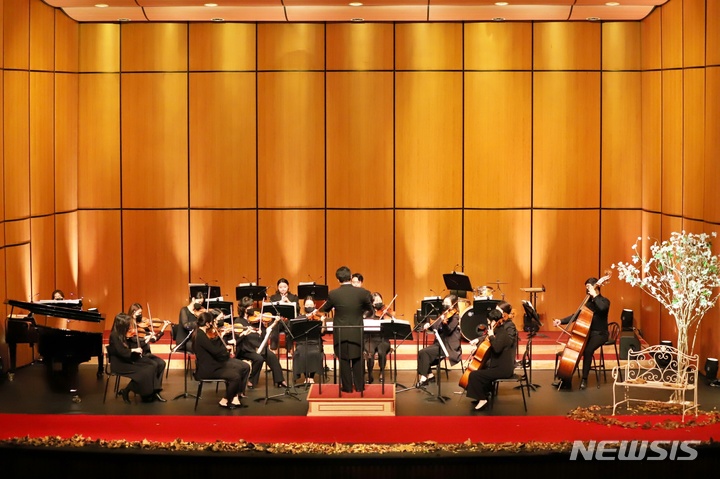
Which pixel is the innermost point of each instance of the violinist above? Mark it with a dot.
(374, 341)
(308, 358)
(598, 333)
(447, 326)
(284, 296)
(188, 321)
(250, 340)
(213, 361)
(143, 336)
(500, 360)
(126, 358)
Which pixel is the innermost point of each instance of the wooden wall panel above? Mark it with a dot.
(363, 241)
(491, 258)
(668, 328)
(17, 138)
(290, 46)
(42, 113)
(651, 140)
(223, 247)
(154, 140)
(651, 40)
(99, 49)
(4, 353)
(222, 140)
(360, 46)
(42, 36)
(428, 243)
(291, 245)
(648, 318)
(158, 47)
(693, 33)
(66, 132)
(291, 139)
(566, 140)
(17, 231)
(18, 271)
(2, 144)
(155, 263)
(619, 231)
(67, 44)
(498, 139)
(621, 45)
(712, 34)
(359, 140)
(99, 141)
(222, 46)
(565, 252)
(66, 254)
(693, 172)
(712, 145)
(428, 140)
(42, 252)
(498, 46)
(100, 274)
(672, 35)
(621, 140)
(428, 46)
(672, 136)
(566, 46)
(16, 35)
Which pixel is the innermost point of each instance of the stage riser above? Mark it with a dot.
(375, 402)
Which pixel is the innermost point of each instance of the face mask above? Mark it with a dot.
(379, 306)
(138, 315)
(250, 311)
(309, 309)
(197, 306)
(445, 307)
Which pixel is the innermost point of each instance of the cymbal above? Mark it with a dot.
(497, 282)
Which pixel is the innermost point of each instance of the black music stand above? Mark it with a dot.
(392, 330)
(438, 373)
(457, 283)
(305, 330)
(430, 307)
(185, 393)
(204, 288)
(252, 291)
(225, 306)
(319, 292)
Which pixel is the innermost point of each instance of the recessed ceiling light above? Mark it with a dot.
(123, 19)
(101, 5)
(217, 19)
(355, 4)
(593, 19)
(498, 19)
(501, 4)
(612, 4)
(211, 4)
(357, 20)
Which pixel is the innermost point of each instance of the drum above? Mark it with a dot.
(474, 321)
(484, 292)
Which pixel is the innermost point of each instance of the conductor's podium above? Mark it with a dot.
(374, 402)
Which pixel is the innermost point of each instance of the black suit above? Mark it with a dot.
(349, 303)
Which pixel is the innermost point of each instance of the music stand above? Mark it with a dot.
(185, 393)
(215, 303)
(392, 330)
(532, 320)
(430, 307)
(251, 290)
(456, 282)
(306, 330)
(205, 289)
(319, 292)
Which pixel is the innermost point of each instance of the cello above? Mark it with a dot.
(481, 353)
(580, 327)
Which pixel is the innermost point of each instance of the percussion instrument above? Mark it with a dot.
(484, 292)
(474, 320)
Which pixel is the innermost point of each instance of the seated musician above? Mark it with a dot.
(144, 337)
(57, 295)
(499, 361)
(447, 326)
(250, 340)
(308, 358)
(188, 321)
(598, 333)
(215, 362)
(282, 295)
(126, 359)
(374, 341)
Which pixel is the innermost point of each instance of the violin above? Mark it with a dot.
(316, 315)
(385, 313)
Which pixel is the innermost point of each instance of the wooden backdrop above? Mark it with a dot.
(140, 157)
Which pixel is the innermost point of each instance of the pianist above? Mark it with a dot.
(58, 295)
(126, 359)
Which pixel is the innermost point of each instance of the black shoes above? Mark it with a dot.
(282, 384)
(583, 384)
(370, 380)
(158, 397)
(125, 395)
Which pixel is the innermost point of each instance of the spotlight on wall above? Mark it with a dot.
(711, 372)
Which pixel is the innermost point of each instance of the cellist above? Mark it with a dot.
(598, 333)
(500, 357)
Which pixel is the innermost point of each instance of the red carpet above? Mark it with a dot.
(288, 429)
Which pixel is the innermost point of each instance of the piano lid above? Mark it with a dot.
(55, 311)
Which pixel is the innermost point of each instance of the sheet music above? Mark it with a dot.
(370, 325)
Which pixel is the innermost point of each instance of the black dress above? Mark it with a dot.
(143, 374)
(308, 356)
(275, 334)
(499, 365)
(187, 324)
(214, 362)
(247, 347)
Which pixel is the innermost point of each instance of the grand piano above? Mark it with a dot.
(55, 344)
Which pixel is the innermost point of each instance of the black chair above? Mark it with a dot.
(110, 373)
(598, 364)
(216, 381)
(522, 380)
(187, 355)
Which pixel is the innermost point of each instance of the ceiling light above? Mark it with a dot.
(357, 20)
(101, 5)
(217, 19)
(501, 4)
(593, 19)
(498, 19)
(612, 4)
(123, 19)
(355, 4)
(211, 4)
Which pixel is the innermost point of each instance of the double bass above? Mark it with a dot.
(579, 329)
(481, 353)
